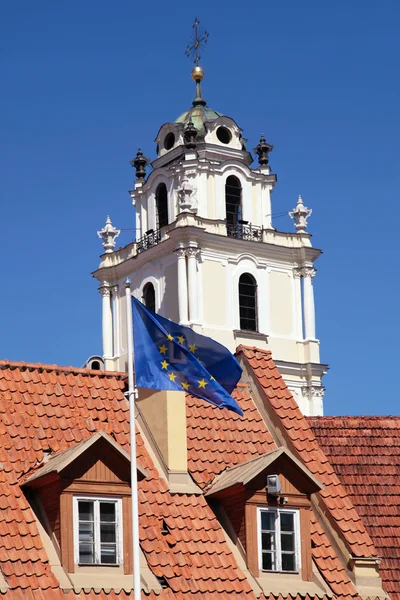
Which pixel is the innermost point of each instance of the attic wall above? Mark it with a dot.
(50, 499)
(234, 506)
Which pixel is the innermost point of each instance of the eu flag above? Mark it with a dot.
(169, 356)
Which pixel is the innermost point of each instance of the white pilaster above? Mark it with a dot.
(182, 287)
(105, 292)
(313, 396)
(309, 309)
(116, 320)
(192, 253)
(298, 304)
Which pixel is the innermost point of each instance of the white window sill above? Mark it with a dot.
(255, 335)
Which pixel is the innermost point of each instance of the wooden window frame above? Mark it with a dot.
(119, 529)
(297, 537)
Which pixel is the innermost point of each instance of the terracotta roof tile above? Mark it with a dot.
(304, 442)
(365, 453)
(218, 439)
(194, 557)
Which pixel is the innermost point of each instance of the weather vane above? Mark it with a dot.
(198, 41)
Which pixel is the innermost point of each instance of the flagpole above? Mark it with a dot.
(133, 394)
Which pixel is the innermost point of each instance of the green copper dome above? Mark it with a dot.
(198, 115)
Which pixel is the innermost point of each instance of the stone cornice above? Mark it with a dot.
(117, 264)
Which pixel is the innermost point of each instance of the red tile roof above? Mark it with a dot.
(303, 441)
(49, 408)
(365, 453)
(220, 438)
(214, 441)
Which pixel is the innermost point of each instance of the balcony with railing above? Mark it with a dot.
(243, 230)
(148, 240)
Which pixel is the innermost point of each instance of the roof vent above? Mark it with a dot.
(96, 363)
(163, 582)
(164, 529)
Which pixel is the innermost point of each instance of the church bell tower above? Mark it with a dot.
(207, 254)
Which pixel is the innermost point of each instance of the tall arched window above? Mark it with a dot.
(233, 200)
(162, 206)
(248, 302)
(149, 296)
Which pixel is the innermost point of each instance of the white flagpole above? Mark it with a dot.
(133, 394)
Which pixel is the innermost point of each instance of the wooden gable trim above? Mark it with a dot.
(97, 488)
(67, 532)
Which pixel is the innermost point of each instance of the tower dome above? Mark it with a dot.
(198, 114)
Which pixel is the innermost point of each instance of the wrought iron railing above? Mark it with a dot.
(244, 231)
(150, 239)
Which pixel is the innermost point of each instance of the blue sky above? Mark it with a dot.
(85, 83)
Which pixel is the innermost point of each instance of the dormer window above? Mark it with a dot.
(85, 495)
(278, 540)
(169, 141)
(97, 531)
(224, 135)
(273, 526)
(162, 206)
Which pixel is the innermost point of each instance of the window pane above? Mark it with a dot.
(268, 561)
(86, 553)
(287, 522)
(268, 541)
(107, 511)
(86, 532)
(287, 542)
(85, 511)
(248, 302)
(108, 555)
(288, 562)
(268, 520)
(107, 533)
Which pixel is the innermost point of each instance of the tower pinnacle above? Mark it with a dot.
(198, 41)
(300, 215)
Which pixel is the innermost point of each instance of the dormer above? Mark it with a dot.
(82, 501)
(224, 132)
(267, 503)
(170, 136)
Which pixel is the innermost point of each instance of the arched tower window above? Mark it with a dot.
(162, 206)
(149, 296)
(248, 302)
(233, 200)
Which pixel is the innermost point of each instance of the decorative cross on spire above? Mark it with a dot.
(198, 41)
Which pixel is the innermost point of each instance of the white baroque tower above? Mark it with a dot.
(207, 254)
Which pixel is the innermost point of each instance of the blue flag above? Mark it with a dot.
(169, 356)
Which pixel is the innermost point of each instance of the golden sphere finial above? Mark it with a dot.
(197, 73)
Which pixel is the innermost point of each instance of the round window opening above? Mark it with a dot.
(169, 141)
(224, 135)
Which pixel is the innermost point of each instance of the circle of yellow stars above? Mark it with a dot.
(202, 383)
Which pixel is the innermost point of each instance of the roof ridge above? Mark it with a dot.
(30, 366)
